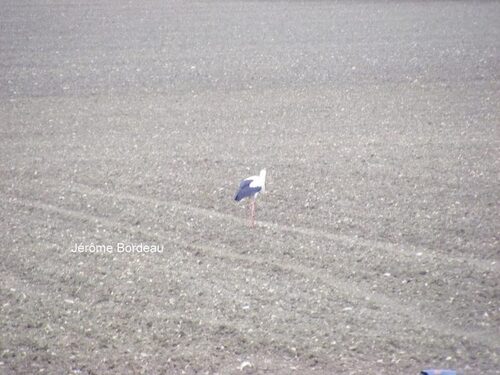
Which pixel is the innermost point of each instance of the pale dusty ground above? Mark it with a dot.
(376, 249)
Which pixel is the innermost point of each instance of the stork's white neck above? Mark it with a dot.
(263, 179)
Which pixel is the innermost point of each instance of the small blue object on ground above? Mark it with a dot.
(438, 372)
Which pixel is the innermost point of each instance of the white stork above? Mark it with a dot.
(250, 188)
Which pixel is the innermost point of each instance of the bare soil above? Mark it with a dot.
(376, 249)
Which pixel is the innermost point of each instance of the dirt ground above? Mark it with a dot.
(125, 124)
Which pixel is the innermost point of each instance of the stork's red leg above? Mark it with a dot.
(250, 211)
(253, 212)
